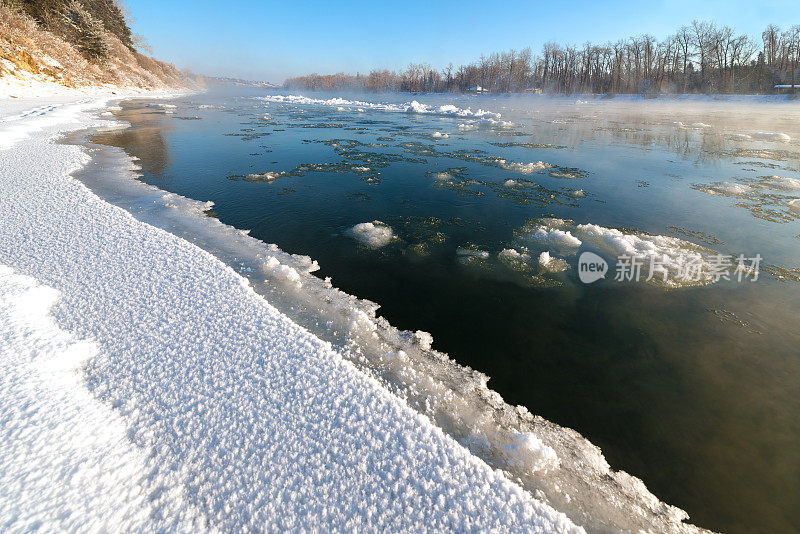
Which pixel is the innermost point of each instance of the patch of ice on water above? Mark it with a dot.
(783, 183)
(579, 193)
(408, 107)
(772, 136)
(794, 205)
(373, 234)
(513, 254)
(269, 176)
(440, 135)
(523, 168)
(550, 264)
(669, 255)
(727, 188)
(472, 253)
(549, 234)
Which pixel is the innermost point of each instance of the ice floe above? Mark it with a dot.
(414, 106)
(665, 256)
(373, 234)
(523, 168)
(772, 136)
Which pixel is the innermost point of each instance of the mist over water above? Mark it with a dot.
(695, 389)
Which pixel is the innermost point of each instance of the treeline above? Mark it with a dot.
(699, 58)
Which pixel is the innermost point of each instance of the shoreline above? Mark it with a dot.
(358, 325)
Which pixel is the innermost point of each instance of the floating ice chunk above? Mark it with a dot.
(556, 238)
(513, 259)
(783, 183)
(269, 176)
(440, 135)
(373, 234)
(360, 169)
(550, 264)
(524, 168)
(579, 193)
(466, 126)
(727, 188)
(409, 107)
(512, 254)
(701, 125)
(794, 205)
(669, 255)
(772, 136)
(510, 183)
(472, 253)
(741, 137)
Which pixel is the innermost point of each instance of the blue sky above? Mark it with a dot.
(267, 40)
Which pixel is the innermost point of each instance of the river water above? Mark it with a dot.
(691, 383)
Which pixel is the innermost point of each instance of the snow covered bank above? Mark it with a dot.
(65, 459)
(247, 420)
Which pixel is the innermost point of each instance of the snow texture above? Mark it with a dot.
(239, 418)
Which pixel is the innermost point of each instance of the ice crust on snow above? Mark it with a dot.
(456, 398)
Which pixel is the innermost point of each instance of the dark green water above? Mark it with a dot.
(694, 390)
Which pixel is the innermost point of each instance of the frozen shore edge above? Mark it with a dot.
(579, 483)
